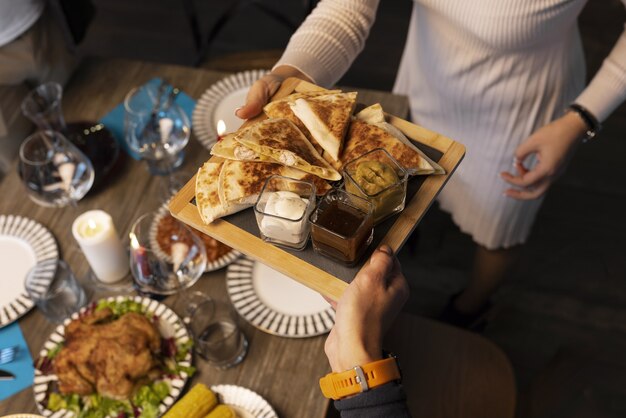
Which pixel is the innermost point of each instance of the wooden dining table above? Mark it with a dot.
(448, 372)
(284, 371)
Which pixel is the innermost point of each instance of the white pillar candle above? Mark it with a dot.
(96, 235)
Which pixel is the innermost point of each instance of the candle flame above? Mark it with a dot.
(134, 242)
(92, 224)
(221, 127)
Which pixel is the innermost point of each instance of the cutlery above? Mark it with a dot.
(7, 354)
(4, 375)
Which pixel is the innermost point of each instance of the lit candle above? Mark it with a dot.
(221, 128)
(96, 235)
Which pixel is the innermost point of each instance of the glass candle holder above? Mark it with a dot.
(282, 210)
(379, 178)
(342, 226)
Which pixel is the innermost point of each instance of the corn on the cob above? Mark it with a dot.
(195, 404)
(222, 411)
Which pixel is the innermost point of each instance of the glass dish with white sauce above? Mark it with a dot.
(282, 210)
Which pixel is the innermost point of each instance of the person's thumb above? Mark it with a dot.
(258, 96)
(379, 268)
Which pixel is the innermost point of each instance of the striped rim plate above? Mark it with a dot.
(170, 325)
(276, 304)
(216, 264)
(247, 404)
(219, 103)
(23, 244)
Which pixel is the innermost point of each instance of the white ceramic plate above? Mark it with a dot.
(276, 304)
(246, 403)
(217, 264)
(170, 325)
(219, 103)
(23, 243)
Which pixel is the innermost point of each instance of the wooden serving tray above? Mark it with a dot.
(319, 273)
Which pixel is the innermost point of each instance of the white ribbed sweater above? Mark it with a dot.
(484, 72)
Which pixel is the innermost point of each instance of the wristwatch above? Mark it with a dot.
(593, 125)
(360, 378)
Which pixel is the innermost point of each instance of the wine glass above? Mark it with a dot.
(54, 171)
(167, 258)
(156, 128)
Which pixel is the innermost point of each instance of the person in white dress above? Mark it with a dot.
(498, 76)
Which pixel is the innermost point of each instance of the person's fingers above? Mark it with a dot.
(379, 267)
(529, 193)
(530, 179)
(258, 96)
(530, 146)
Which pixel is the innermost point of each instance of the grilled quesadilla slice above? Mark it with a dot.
(208, 199)
(375, 115)
(282, 141)
(230, 149)
(282, 109)
(363, 137)
(327, 118)
(241, 182)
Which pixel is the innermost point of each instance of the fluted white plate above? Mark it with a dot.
(23, 243)
(219, 103)
(276, 304)
(169, 324)
(246, 403)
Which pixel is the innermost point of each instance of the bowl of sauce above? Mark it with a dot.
(379, 178)
(342, 226)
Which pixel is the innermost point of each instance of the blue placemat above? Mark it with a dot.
(21, 367)
(114, 120)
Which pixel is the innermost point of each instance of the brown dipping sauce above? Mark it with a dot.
(341, 231)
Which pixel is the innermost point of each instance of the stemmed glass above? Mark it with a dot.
(54, 171)
(167, 258)
(156, 128)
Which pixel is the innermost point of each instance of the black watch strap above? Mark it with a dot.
(593, 125)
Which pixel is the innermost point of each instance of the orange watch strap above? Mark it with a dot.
(360, 378)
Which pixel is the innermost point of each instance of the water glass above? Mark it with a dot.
(164, 259)
(53, 288)
(156, 128)
(42, 105)
(54, 171)
(217, 336)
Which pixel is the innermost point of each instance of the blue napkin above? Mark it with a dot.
(21, 367)
(114, 120)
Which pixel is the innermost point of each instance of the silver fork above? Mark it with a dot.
(8, 354)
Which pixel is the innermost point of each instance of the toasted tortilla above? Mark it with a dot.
(282, 109)
(364, 137)
(375, 115)
(230, 149)
(241, 181)
(208, 202)
(282, 141)
(327, 118)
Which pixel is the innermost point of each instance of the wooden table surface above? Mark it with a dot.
(284, 371)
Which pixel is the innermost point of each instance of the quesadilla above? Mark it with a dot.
(375, 115)
(240, 182)
(364, 137)
(327, 118)
(208, 199)
(230, 149)
(282, 141)
(282, 109)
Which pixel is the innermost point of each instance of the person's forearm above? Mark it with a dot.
(329, 40)
(607, 89)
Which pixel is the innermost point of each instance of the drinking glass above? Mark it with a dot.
(217, 336)
(54, 171)
(165, 261)
(43, 106)
(53, 288)
(156, 128)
